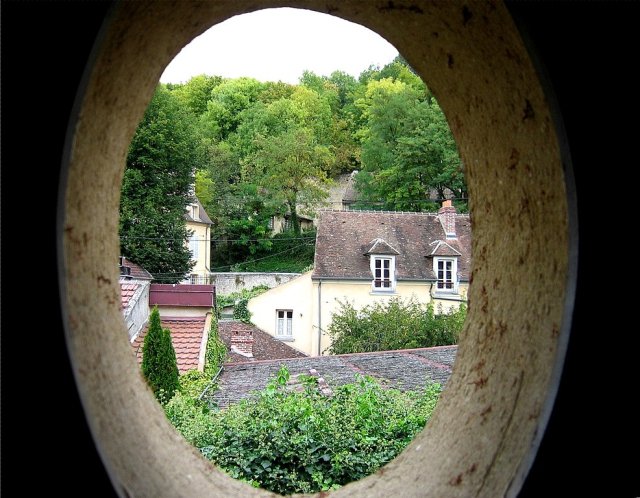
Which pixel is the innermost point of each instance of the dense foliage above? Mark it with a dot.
(159, 365)
(162, 158)
(287, 252)
(304, 442)
(216, 351)
(262, 150)
(394, 325)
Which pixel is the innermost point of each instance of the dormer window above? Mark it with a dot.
(193, 212)
(382, 259)
(446, 270)
(383, 273)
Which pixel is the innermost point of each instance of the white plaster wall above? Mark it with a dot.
(294, 295)
(137, 312)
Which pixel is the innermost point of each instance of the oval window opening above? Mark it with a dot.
(498, 401)
(327, 215)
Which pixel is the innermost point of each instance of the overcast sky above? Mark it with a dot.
(278, 45)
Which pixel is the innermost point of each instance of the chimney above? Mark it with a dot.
(242, 342)
(447, 217)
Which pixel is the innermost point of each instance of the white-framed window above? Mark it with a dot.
(193, 246)
(383, 269)
(446, 270)
(284, 323)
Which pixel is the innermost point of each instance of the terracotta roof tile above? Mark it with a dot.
(136, 271)
(186, 336)
(127, 291)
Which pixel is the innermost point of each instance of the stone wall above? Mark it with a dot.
(227, 283)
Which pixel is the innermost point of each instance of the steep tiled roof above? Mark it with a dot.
(380, 246)
(265, 346)
(405, 369)
(343, 190)
(441, 248)
(127, 291)
(186, 335)
(136, 271)
(203, 217)
(344, 238)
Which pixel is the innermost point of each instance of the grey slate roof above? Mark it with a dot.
(407, 369)
(203, 217)
(344, 237)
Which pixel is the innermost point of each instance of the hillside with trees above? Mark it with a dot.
(257, 150)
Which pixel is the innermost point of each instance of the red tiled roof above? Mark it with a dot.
(186, 336)
(127, 290)
(136, 271)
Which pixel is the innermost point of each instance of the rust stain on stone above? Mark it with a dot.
(102, 280)
(514, 159)
(528, 112)
(456, 481)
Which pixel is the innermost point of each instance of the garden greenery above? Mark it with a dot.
(239, 300)
(290, 441)
(394, 325)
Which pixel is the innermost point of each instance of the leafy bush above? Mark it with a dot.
(303, 442)
(191, 418)
(216, 350)
(159, 364)
(240, 300)
(397, 324)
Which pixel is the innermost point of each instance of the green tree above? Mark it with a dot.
(294, 168)
(159, 364)
(408, 151)
(196, 93)
(162, 157)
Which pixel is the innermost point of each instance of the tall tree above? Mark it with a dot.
(293, 167)
(408, 152)
(158, 176)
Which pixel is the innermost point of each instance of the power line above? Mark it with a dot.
(215, 241)
(171, 275)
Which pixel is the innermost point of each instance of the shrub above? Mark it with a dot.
(303, 442)
(159, 365)
(240, 300)
(397, 324)
(216, 350)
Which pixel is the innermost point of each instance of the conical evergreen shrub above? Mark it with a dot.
(159, 364)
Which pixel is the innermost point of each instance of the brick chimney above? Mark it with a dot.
(242, 342)
(447, 217)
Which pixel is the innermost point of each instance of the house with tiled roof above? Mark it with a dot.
(199, 224)
(135, 282)
(247, 343)
(189, 339)
(367, 257)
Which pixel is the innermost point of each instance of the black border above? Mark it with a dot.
(589, 52)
